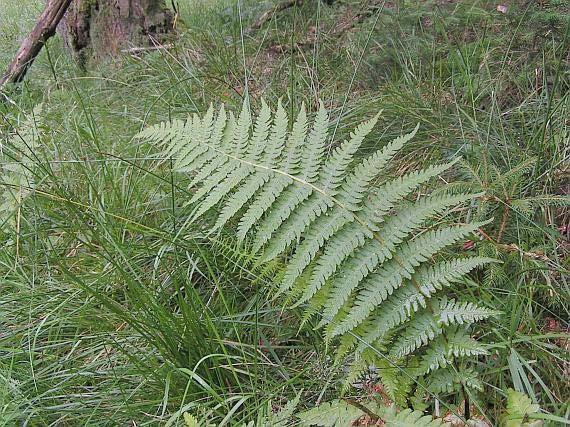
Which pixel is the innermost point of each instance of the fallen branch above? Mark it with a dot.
(32, 45)
(271, 13)
(135, 50)
(338, 30)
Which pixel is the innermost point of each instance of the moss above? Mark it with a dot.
(86, 5)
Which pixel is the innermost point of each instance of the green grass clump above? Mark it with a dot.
(116, 309)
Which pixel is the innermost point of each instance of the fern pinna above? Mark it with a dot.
(354, 255)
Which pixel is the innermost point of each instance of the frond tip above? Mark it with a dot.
(361, 245)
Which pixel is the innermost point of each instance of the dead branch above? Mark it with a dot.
(32, 45)
(342, 26)
(267, 16)
(136, 50)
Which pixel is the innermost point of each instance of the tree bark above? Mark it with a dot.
(32, 45)
(96, 29)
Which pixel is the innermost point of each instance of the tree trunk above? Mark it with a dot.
(96, 29)
(32, 45)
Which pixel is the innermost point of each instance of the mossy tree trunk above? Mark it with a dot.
(95, 29)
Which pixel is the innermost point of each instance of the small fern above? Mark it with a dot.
(519, 409)
(355, 256)
(522, 412)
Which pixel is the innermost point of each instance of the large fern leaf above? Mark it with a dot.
(361, 249)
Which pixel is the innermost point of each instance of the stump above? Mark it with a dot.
(96, 29)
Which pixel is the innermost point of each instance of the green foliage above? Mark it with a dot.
(17, 157)
(337, 412)
(529, 283)
(266, 417)
(346, 413)
(353, 253)
(505, 193)
(10, 399)
(97, 301)
(190, 420)
(519, 407)
(282, 417)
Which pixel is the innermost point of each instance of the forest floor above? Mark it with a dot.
(92, 331)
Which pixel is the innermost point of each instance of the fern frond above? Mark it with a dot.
(202, 131)
(409, 418)
(409, 299)
(428, 325)
(329, 179)
(358, 183)
(435, 357)
(394, 379)
(315, 145)
(166, 134)
(224, 180)
(418, 333)
(298, 160)
(358, 254)
(353, 236)
(315, 239)
(351, 197)
(282, 417)
(394, 231)
(190, 127)
(190, 420)
(448, 380)
(443, 381)
(272, 150)
(441, 352)
(329, 414)
(254, 149)
(389, 194)
(519, 408)
(460, 343)
(377, 287)
(515, 174)
(440, 275)
(462, 312)
(216, 161)
(270, 192)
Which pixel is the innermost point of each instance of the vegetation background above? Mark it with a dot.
(93, 330)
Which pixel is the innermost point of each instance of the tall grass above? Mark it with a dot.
(115, 310)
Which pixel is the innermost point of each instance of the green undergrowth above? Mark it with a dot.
(114, 309)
